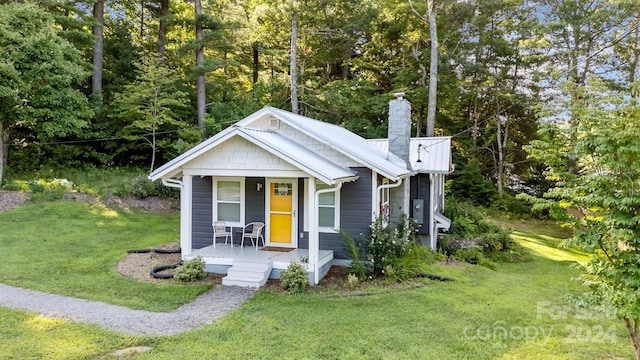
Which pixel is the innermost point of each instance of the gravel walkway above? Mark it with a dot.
(206, 309)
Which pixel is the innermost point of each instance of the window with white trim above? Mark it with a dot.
(328, 209)
(228, 201)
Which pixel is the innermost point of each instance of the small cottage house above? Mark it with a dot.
(297, 181)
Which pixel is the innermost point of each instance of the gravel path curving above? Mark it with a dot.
(206, 309)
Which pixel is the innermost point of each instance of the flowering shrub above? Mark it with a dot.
(294, 278)
(386, 246)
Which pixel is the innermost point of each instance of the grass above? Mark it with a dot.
(517, 311)
(72, 249)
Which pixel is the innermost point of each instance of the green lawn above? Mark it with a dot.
(72, 249)
(515, 312)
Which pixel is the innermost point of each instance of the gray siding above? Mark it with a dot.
(202, 209)
(420, 189)
(255, 202)
(355, 214)
(201, 212)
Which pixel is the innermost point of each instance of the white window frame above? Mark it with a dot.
(241, 182)
(336, 215)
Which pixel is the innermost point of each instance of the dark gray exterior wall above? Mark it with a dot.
(201, 212)
(355, 214)
(202, 209)
(355, 211)
(420, 189)
(254, 207)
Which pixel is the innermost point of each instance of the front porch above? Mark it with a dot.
(221, 259)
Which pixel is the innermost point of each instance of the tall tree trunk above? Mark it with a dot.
(500, 170)
(292, 62)
(162, 30)
(98, 50)
(200, 81)
(301, 108)
(256, 63)
(141, 21)
(433, 69)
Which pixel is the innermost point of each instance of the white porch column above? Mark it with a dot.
(314, 243)
(316, 231)
(185, 215)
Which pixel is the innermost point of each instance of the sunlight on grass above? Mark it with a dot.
(105, 212)
(547, 246)
(40, 323)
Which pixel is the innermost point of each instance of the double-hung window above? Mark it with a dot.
(328, 209)
(229, 200)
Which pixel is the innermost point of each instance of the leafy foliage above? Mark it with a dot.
(190, 270)
(469, 223)
(600, 200)
(294, 278)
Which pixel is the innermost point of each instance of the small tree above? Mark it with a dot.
(602, 201)
(150, 103)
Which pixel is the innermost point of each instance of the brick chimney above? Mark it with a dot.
(400, 127)
(399, 136)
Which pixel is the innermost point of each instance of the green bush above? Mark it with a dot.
(359, 266)
(386, 245)
(469, 223)
(414, 262)
(42, 189)
(142, 187)
(294, 279)
(190, 270)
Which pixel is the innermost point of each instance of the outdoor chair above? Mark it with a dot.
(253, 231)
(220, 230)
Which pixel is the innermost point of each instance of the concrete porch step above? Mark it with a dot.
(248, 274)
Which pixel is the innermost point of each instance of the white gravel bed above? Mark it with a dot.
(206, 309)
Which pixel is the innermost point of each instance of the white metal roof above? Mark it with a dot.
(336, 137)
(343, 140)
(434, 153)
(298, 155)
(270, 141)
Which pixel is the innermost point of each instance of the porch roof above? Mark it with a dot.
(426, 154)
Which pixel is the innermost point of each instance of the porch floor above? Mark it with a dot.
(218, 260)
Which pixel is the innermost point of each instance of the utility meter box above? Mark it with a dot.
(418, 211)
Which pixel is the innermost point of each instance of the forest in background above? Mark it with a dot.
(102, 83)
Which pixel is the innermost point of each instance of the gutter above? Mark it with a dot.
(172, 183)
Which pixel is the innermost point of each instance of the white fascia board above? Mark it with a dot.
(304, 167)
(174, 167)
(284, 116)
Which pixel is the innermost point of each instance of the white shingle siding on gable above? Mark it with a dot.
(238, 153)
(306, 141)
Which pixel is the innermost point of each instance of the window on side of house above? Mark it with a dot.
(228, 201)
(328, 209)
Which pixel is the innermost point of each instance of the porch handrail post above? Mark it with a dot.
(316, 230)
(313, 234)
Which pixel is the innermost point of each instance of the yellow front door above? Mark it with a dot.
(281, 213)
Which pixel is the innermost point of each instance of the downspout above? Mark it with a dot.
(185, 211)
(316, 231)
(385, 186)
